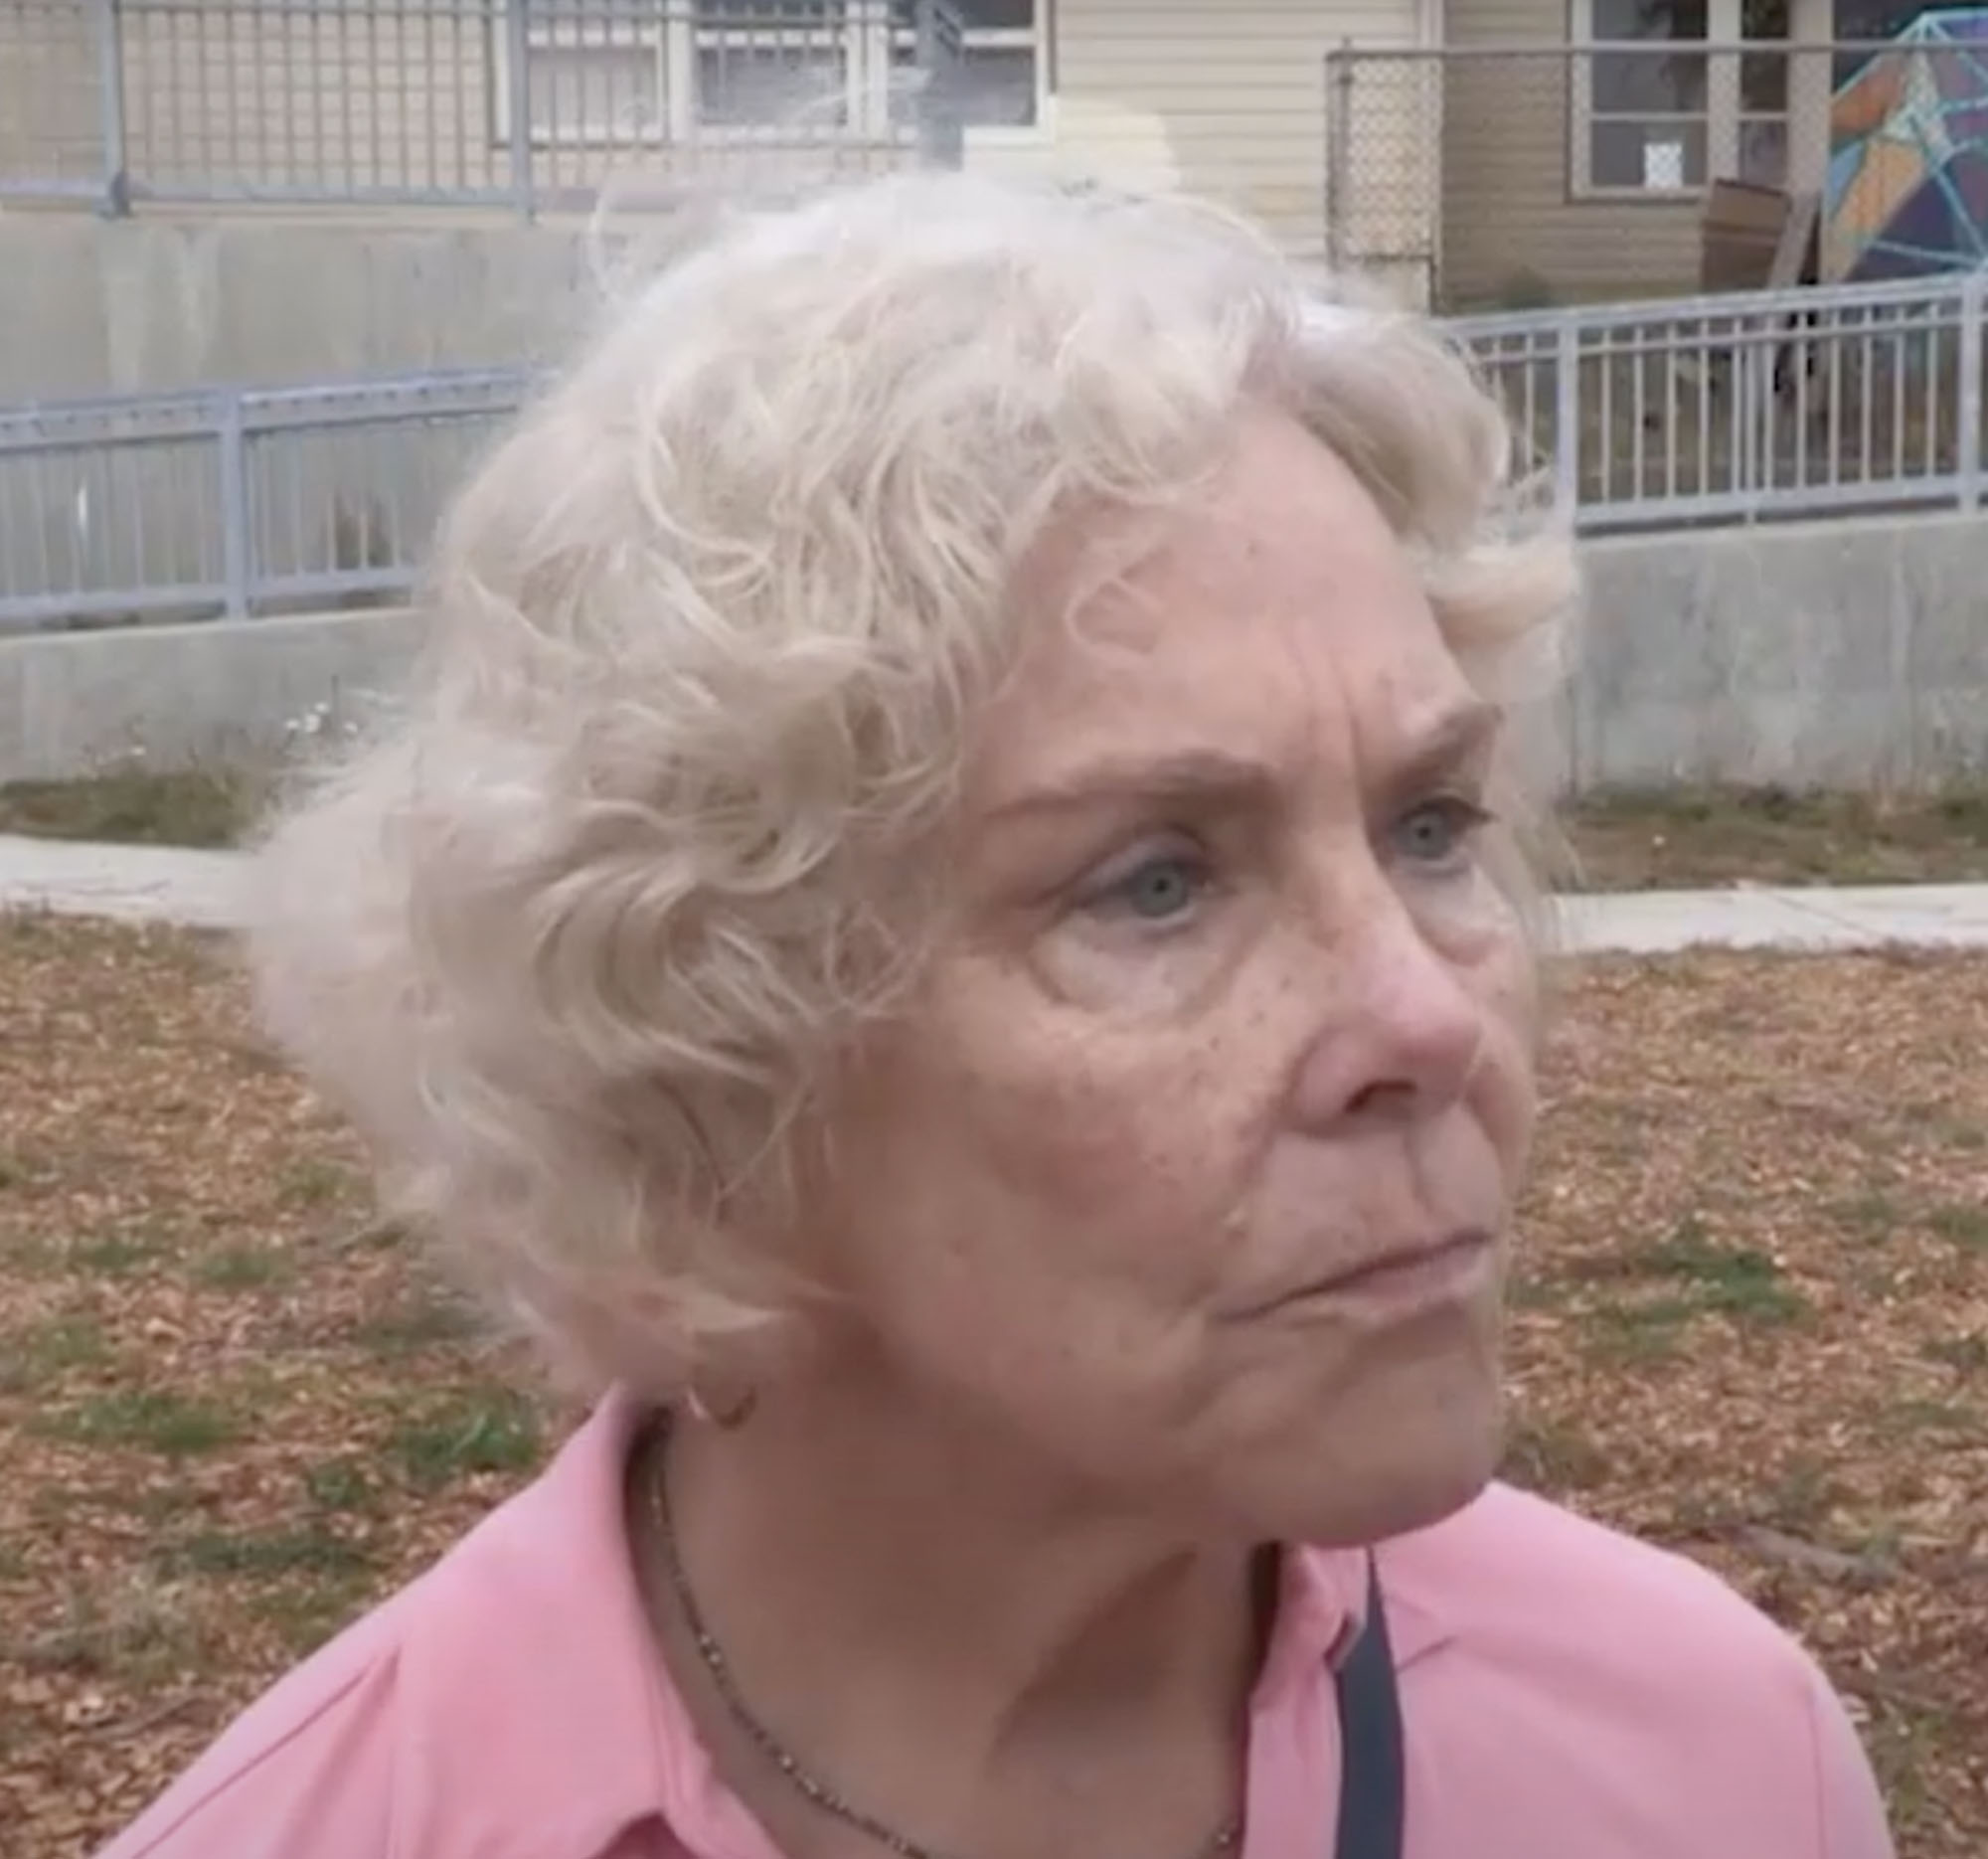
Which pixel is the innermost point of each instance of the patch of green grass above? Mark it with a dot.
(1800, 1497)
(114, 1254)
(493, 1431)
(417, 1324)
(39, 1352)
(1968, 1354)
(147, 1420)
(260, 1555)
(1714, 1278)
(341, 1484)
(1923, 1416)
(1534, 1292)
(1873, 1216)
(1639, 1332)
(164, 1503)
(314, 1182)
(135, 1631)
(304, 1615)
(135, 806)
(1903, 1741)
(1637, 838)
(243, 1269)
(1964, 1223)
(1551, 1457)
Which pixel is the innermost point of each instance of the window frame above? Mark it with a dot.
(674, 38)
(1722, 120)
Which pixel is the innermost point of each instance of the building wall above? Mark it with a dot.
(257, 101)
(1229, 101)
(1510, 219)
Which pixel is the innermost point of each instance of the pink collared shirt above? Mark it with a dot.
(1568, 1694)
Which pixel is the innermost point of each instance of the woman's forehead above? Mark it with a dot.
(1279, 618)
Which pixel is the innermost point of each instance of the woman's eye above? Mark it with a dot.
(1439, 832)
(1158, 890)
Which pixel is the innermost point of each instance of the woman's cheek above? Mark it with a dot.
(1123, 972)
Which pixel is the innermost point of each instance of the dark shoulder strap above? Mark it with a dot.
(1372, 1785)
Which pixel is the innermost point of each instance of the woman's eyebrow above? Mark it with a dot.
(1210, 777)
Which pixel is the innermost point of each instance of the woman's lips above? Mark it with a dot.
(1398, 1281)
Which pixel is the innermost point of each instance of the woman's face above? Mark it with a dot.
(1189, 1166)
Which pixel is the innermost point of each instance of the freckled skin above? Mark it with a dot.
(1113, 1123)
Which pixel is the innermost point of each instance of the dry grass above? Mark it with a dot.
(1687, 839)
(1752, 1323)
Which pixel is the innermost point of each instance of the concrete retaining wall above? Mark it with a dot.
(131, 306)
(219, 690)
(1844, 654)
(1848, 655)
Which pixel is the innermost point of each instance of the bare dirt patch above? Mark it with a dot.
(1752, 1323)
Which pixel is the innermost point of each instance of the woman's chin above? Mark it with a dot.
(1425, 1466)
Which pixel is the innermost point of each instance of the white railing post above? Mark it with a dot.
(231, 433)
(518, 102)
(115, 200)
(1566, 416)
(1967, 460)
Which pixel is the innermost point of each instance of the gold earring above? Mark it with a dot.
(725, 1418)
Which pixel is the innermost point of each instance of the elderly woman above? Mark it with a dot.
(944, 926)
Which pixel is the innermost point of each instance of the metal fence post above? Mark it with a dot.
(941, 133)
(1338, 148)
(231, 431)
(1567, 417)
(115, 201)
(518, 75)
(1973, 306)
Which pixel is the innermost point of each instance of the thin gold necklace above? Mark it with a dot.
(812, 1789)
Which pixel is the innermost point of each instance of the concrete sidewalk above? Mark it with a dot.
(146, 884)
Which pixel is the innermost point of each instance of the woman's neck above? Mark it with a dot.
(933, 1625)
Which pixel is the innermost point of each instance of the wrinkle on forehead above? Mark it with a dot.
(1278, 617)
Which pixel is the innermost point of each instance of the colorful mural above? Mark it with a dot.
(1907, 188)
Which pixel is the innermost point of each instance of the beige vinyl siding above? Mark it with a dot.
(1227, 100)
(1509, 215)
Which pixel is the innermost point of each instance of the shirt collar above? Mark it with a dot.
(1322, 1608)
(568, 1707)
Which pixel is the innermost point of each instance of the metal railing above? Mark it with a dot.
(236, 501)
(1748, 406)
(1507, 177)
(1733, 409)
(529, 105)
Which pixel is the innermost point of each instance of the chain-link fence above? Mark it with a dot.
(1518, 177)
(528, 103)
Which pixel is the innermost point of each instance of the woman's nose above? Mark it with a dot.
(1402, 1031)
